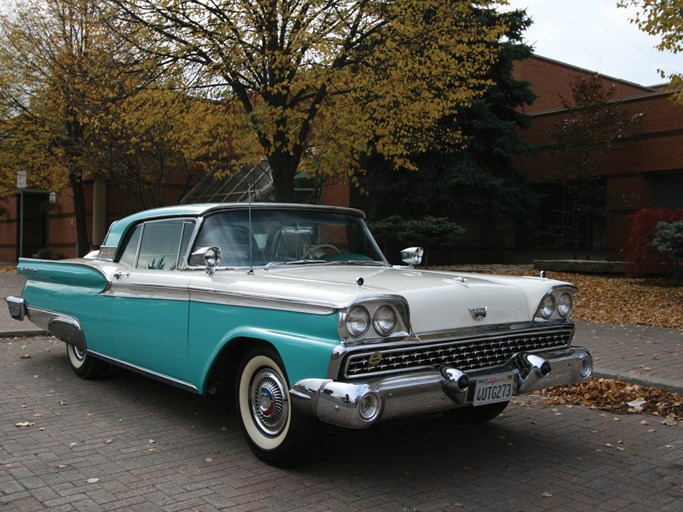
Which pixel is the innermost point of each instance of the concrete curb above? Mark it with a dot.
(26, 333)
(640, 380)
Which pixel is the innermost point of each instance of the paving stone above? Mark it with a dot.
(531, 458)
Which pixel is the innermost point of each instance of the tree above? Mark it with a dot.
(468, 178)
(594, 122)
(57, 65)
(157, 137)
(662, 18)
(75, 100)
(318, 80)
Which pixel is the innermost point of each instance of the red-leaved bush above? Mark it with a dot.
(643, 257)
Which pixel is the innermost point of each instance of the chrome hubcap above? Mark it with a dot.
(269, 405)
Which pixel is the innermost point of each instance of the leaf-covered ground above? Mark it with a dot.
(618, 397)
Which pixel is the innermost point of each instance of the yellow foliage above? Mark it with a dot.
(662, 19)
(322, 81)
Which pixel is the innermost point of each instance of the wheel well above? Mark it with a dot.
(224, 368)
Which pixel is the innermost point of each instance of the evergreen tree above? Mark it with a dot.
(474, 180)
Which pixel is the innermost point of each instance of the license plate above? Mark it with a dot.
(493, 388)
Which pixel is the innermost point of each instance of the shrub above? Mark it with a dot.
(669, 241)
(425, 231)
(642, 256)
(45, 254)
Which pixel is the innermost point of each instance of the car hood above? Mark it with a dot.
(437, 300)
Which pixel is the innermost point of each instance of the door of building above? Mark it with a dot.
(35, 236)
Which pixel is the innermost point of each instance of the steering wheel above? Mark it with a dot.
(315, 252)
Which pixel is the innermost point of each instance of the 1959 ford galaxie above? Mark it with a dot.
(296, 307)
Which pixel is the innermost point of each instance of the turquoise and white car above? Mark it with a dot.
(296, 308)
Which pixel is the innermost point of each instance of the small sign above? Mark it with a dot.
(21, 179)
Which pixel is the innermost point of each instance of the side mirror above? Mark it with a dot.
(212, 258)
(412, 255)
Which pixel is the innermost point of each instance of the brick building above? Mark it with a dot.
(644, 170)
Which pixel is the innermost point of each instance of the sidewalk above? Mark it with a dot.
(648, 356)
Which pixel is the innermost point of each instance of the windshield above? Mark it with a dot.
(283, 235)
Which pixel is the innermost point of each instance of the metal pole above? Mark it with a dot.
(21, 185)
(21, 222)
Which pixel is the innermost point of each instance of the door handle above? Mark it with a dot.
(120, 274)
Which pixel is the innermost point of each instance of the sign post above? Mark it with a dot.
(21, 185)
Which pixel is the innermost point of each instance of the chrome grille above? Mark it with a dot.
(468, 353)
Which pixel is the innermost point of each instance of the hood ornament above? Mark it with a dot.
(478, 313)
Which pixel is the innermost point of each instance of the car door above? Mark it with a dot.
(150, 299)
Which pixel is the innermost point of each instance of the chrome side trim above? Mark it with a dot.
(40, 317)
(147, 373)
(258, 301)
(145, 291)
(63, 327)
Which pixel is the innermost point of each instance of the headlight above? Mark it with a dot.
(547, 307)
(565, 303)
(357, 321)
(384, 321)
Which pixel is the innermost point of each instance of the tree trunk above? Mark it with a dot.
(76, 181)
(284, 168)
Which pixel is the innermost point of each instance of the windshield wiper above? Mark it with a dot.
(293, 262)
(362, 262)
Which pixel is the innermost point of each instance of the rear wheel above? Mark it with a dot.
(474, 415)
(274, 431)
(84, 365)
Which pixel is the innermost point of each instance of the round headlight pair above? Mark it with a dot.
(563, 305)
(358, 321)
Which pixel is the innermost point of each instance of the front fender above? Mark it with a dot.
(305, 342)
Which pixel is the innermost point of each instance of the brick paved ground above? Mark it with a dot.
(129, 443)
(647, 355)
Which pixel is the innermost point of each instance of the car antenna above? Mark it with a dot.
(251, 233)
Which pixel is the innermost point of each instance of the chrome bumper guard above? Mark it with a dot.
(16, 307)
(361, 404)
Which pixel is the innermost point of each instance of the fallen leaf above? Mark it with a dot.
(92, 480)
(617, 397)
(24, 424)
(547, 494)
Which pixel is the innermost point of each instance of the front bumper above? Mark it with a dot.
(361, 404)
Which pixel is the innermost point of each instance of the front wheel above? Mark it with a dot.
(84, 365)
(274, 431)
(474, 415)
